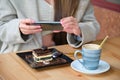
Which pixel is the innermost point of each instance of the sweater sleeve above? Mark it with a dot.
(89, 28)
(9, 24)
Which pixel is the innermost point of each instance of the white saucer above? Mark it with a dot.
(103, 67)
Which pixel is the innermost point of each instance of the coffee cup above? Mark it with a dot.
(90, 56)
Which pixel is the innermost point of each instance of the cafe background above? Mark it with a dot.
(107, 13)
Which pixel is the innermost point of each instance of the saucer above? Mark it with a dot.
(103, 67)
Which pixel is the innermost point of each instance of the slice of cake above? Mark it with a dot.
(40, 55)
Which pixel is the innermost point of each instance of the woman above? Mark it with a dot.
(76, 17)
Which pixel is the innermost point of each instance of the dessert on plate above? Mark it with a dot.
(40, 55)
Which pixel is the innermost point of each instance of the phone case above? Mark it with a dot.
(49, 25)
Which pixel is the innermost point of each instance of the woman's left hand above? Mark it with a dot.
(70, 25)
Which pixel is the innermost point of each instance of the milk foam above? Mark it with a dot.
(91, 46)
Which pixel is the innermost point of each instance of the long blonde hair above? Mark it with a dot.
(65, 8)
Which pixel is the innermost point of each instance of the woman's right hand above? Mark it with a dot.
(27, 29)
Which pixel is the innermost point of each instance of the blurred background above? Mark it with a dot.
(107, 13)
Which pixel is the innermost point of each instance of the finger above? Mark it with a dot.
(68, 25)
(27, 21)
(56, 31)
(24, 31)
(29, 27)
(67, 19)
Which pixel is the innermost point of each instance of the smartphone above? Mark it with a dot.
(49, 25)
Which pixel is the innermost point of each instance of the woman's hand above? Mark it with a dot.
(70, 25)
(27, 29)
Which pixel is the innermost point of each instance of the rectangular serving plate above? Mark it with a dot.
(28, 58)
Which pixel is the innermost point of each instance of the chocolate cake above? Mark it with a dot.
(41, 55)
(44, 57)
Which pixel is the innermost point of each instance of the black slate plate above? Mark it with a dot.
(28, 58)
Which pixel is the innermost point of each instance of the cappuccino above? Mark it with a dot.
(91, 46)
(90, 55)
